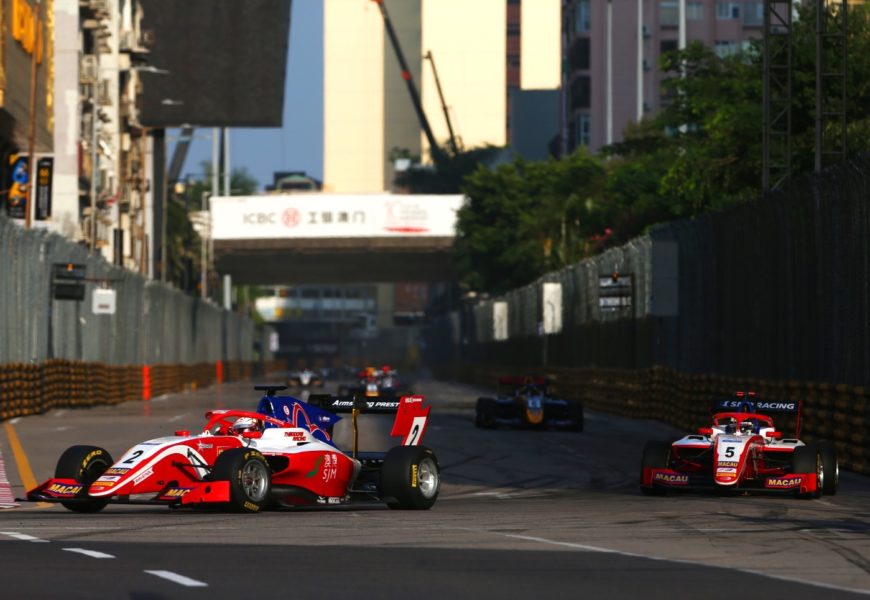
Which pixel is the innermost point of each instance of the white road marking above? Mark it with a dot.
(62, 428)
(59, 413)
(91, 553)
(587, 548)
(22, 536)
(179, 579)
(177, 417)
(15, 420)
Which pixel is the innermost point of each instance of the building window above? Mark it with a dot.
(669, 13)
(581, 131)
(580, 92)
(666, 46)
(727, 10)
(694, 11)
(725, 49)
(581, 16)
(580, 54)
(753, 14)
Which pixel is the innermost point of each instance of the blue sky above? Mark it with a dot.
(298, 145)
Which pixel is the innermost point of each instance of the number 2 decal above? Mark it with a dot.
(413, 437)
(136, 454)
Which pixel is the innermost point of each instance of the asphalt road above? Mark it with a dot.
(521, 514)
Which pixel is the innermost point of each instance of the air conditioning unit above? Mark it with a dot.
(127, 41)
(104, 95)
(89, 69)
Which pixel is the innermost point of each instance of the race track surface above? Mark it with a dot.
(521, 514)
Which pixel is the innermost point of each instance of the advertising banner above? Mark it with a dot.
(334, 215)
(16, 196)
(44, 180)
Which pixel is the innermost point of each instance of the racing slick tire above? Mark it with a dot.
(249, 475)
(831, 468)
(808, 459)
(656, 455)
(84, 464)
(410, 478)
(484, 410)
(575, 410)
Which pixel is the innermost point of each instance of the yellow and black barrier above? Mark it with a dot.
(28, 389)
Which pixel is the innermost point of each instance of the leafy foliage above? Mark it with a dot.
(702, 152)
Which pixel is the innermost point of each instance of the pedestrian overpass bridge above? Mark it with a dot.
(334, 238)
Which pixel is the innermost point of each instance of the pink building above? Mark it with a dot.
(724, 26)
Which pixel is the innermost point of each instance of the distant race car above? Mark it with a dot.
(742, 451)
(374, 382)
(305, 378)
(524, 402)
(281, 455)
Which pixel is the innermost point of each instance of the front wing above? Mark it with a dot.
(71, 491)
(669, 479)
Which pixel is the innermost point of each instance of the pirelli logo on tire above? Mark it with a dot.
(413, 475)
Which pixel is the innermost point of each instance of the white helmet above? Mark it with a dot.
(245, 425)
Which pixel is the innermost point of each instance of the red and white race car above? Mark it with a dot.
(281, 455)
(742, 451)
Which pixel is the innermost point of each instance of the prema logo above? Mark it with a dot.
(291, 217)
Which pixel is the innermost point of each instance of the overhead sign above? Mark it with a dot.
(334, 215)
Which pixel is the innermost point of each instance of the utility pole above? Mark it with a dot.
(639, 60)
(608, 101)
(31, 143)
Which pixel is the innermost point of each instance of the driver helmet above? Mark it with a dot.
(730, 426)
(746, 427)
(245, 425)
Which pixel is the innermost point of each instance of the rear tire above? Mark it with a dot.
(808, 459)
(410, 478)
(84, 464)
(656, 455)
(249, 475)
(576, 412)
(483, 413)
(831, 468)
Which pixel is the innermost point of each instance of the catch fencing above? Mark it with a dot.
(159, 340)
(774, 291)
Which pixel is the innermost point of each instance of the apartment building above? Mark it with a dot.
(638, 32)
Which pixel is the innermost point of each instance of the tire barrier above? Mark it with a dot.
(28, 389)
(839, 413)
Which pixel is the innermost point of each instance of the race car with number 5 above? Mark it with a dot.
(281, 455)
(741, 450)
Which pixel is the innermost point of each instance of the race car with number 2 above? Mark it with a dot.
(281, 455)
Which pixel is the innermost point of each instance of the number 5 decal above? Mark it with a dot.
(729, 451)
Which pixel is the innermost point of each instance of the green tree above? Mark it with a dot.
(523, 219)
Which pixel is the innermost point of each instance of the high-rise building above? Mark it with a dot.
(481, 49)
(636, 79)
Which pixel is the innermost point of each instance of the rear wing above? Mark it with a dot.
(411, 415)
(513, 382)
(749, 402)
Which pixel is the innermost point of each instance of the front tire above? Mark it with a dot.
(249, 475)
(483, 413)
(808, 459)
(410, 478)
(84, 464)
(831, 468)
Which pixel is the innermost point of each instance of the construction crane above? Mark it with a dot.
(454, 147)
(437, 153)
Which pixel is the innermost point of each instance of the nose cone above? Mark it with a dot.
(534, 416)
